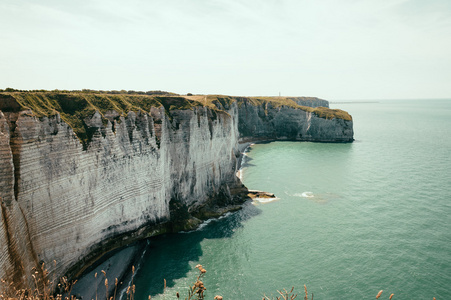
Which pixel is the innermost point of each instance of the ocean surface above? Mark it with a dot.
(350, 219)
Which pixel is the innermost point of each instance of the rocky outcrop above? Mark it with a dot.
(310, 101)
(270, 122)
(140, 174)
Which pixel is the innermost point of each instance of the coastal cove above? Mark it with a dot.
(86, 172)
(225, 150)
(351, 219)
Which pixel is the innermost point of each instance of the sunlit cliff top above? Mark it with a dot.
(75, 106)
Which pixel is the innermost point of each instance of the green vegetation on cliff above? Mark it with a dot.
(221, 101)
(328, 113)
(322, 112)
(45, 104)
(75, 106)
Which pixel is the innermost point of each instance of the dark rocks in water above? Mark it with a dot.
(260, 194)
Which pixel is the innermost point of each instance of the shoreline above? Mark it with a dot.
(117, 262)
(115, 256)
(243, 147)
(99, 159)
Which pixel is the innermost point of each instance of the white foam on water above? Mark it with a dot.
(206, 222)
(318, 198)
(264, 200)
(307, 195)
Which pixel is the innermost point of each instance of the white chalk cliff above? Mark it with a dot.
(142, 173)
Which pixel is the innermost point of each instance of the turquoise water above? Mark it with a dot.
(351, 219)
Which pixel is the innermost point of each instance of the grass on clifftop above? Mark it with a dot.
(322, 112)
(44, 104)
(47, 103)
(75, 106)
(226, 101)
(328, 113)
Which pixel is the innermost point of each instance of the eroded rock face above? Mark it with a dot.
(286, 123)
(310, 101)
(74, 200)
(141, 175)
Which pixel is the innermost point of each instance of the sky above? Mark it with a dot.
(332, 49)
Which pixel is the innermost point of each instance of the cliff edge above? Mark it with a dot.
(84, 173)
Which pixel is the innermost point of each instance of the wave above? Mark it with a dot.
(264, 200)
(305, 195)
(206, 222)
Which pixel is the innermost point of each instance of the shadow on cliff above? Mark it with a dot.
(169, 256)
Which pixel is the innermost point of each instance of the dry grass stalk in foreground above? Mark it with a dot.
(42, 288)
(289, 295)
(196, 291)
(390, 298)
(284, 295)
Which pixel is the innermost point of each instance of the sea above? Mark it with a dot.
(348, 220)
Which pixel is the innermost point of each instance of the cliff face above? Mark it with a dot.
(310, 101)
(270, 122)
(140, 174)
